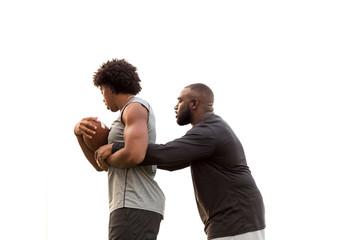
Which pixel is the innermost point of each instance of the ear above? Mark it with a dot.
(194, 104)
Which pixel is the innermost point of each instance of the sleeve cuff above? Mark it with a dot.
(117, 146)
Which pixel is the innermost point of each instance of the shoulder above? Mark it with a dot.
(205, 129)
(210, 125)
(141, 101)
(133, 112)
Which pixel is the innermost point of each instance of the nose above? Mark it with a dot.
(176, 107)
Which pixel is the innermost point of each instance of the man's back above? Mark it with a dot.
(228, 199)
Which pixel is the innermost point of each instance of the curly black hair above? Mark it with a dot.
(119, 75)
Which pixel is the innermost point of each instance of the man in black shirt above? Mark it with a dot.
(229, 202)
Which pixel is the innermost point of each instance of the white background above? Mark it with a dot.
(284, 74)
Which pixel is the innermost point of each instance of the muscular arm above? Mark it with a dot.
(135, 118)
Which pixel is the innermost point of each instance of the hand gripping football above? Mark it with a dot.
(100, 138)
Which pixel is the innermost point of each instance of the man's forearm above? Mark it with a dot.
(114, 159)
(177, 154)
(159, 154)
(120, 158)
(117, 146)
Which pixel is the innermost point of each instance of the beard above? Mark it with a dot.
(184, 117)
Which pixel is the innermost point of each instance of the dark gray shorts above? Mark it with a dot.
(133, 224)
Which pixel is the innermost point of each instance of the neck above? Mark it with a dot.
(123, 99)
(198, 119)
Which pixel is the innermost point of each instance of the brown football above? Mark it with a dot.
(100, 138)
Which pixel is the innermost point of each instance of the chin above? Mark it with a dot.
(180, 123)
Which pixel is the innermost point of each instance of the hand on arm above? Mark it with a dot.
(101, 155)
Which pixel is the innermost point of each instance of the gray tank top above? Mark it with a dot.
(134, 187)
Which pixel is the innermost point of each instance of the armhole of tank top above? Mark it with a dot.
(148, 110)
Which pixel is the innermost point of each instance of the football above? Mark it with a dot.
(100, 138)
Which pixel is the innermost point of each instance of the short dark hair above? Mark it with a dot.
(119, 75)
(202, 89)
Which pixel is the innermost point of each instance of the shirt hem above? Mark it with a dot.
(138, 207)
(228, 234)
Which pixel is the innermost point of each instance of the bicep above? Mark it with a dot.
(136, 131)
(136, 136)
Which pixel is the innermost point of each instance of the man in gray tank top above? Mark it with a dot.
(136, 201)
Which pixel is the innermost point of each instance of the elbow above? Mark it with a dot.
(170, 169)
(98, 169)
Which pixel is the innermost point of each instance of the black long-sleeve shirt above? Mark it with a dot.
(228, 200)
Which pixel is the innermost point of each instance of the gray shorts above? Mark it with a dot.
(257, 235)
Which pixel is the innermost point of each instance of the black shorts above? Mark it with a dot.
(133, 224)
